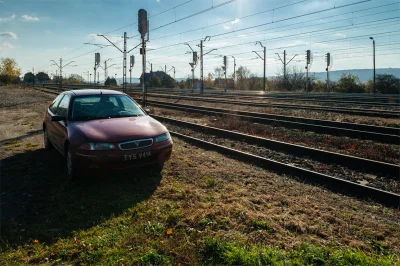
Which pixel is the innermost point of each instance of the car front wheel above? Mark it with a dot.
(46, 140)
(71, 169)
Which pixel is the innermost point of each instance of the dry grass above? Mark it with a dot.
(137, 218)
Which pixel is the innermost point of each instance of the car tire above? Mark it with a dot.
(158, 168)
(70, 165)
(46, 141)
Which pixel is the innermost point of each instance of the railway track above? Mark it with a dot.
(352, 162)
(336, 184)
(383, 197)
(351, 111)
(286, 99)
(376, 133)
(381, 98)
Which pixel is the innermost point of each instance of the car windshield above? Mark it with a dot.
(103, 106)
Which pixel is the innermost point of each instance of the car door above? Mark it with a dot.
(51, 112)
(60, 127)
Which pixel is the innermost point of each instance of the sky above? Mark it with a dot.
(34, 32)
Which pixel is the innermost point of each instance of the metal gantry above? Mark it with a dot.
(265, 62)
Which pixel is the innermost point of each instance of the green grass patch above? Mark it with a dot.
(262, 225)
(218, 252)
(210, 182)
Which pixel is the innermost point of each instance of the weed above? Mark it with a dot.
(208, 198)
(154, 229)
(210, 181)
(172, 218)
(152, 257)
(262, 225)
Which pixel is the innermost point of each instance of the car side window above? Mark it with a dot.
(63, 106)
(53, 106)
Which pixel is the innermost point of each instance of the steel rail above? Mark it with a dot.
(335, 184)
(274, 98)
(349, 161)
(391, 97)
(328, 129)
(361, 112)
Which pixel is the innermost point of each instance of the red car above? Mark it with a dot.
(100, 130)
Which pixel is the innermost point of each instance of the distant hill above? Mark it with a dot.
(363, 74)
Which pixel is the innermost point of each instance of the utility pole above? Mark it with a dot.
(131, 64)
(224, 68)
(124, 51)
(201, 67)
(193, 64)
(308, 61)
(265, 61)
(234, 71)
(60, 66)
(328, 64)
(96, 66)
(373, 43)
(151, 75)
(106, 68)
(207, 38)
(165, 76)
(143, 26)
(285, 64)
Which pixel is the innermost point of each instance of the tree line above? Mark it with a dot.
(294, 80)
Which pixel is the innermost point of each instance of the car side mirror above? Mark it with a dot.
(147, 110)
(57, 118)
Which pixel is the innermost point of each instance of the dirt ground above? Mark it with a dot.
(46, 219)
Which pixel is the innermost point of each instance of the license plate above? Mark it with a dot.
(137, 156)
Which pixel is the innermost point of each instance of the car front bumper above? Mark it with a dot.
(89, 161)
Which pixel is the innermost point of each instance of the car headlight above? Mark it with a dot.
(163, 137)
(97, 146)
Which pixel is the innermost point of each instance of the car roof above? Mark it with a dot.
(85, 92)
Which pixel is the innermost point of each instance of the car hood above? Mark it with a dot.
(120, 129)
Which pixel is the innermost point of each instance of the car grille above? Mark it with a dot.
(136, 144)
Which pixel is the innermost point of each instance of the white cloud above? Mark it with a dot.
(235, 21)
(29, 18)
(341, 35)
(7, 19)
(8, 34)
(5, 46)
(226, 27)
(158, 1)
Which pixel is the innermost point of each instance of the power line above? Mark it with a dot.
(135, 23)
(228, 21)
(294, 17)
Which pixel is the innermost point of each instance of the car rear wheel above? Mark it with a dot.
(71, 169)
(46, 140)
